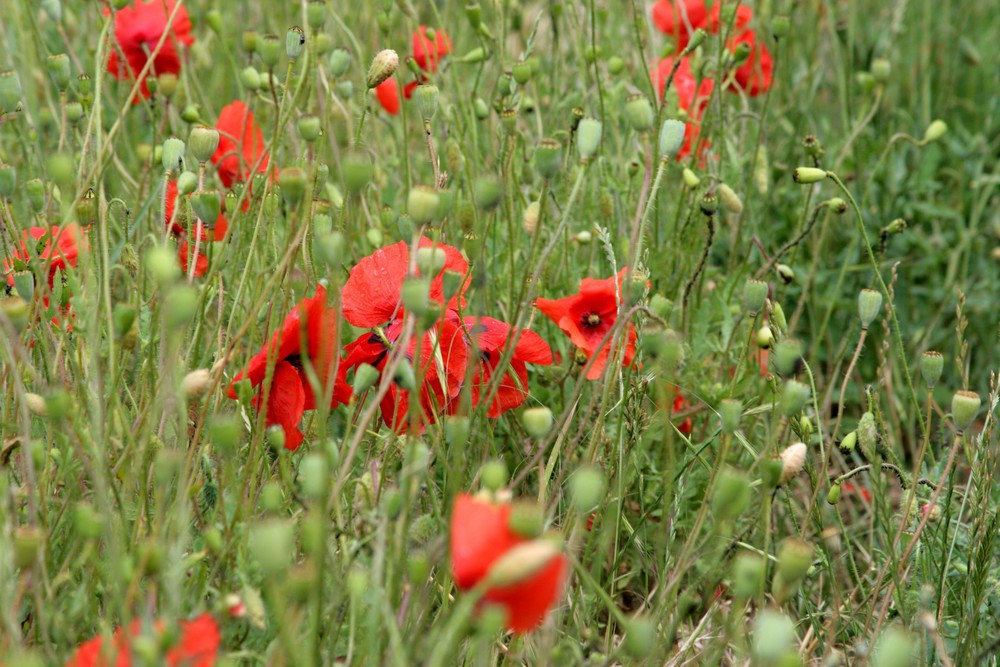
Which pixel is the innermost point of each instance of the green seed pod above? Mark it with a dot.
(780, 25)
(62, 171)
(615, 65)
(488, 191)
(340, 62)
(747, 577)
(74, 112)
(314, 476)
(869, 305)
(365, 377)
(173, 153)
(456, 430)
(422, 204)
(807, 175)
(180, 306)
(881, 69)
(730, 413)
(640, 637)
(895, 648)
(794, 396)
(931, 366)
(269, 48)
(293, 183)
(295, 42)
(427, 97)
(250, 41)
(587, 488)
(309, 128)
(788, 356)
(774, 639)
(755, 295)
(250, 78)
(10, 91)
(493, 475)
(161, 264)
(709, 204)
(671, 138)
(207, 205)
(27, 544)
(344, 90)
(357, 170)
(35, 190)
(431, 260)
(59, 69)
(741, 53)
(731, 496)
(383, 66)
(794, 559)
(964, 406)
(521, 72)
(639, 112)
(404, 376)
(548, 158)
(272, 544)
(537, 421)
(935, 130)
(588, 138)
(481, 109)
(526, 519)
(202, 143)
(416, 296)
(8, 181)
(316, 14)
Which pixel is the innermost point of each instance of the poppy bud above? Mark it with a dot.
(671, 138)
(521, 562)
(456, 430)
(690, 178)
(293, 183)
(731, 496)
(36, 194)
(794, 396)
(935, 131)
(269, 48)
(161, 263)
(788, 356)
(794, 558)
(587, 487)
(173, 152)
(765, 338)
(58, 67)
(709, 204)
(475, 56)
(365, 376)
(780, 25)
(272, 544)
(474, 13)
(548, 158)
(754, 295)
(640, 637)
(8, 181)
(639, 112)
(748, 574)
(807, 175)
(404, 376)
(36, 404)
(87, 522)
(868, 435)
(931, 366)
(357, 171)
(15, 309)
(250, 78)
(615, 65)
(415, 294)
(383, 66)
(741, 53)
(479, 106)
(430, 260)
(521, 72)
(881, 69)
(62, 170)
(778, 316)
(785, 272)
(964, 406)
(869, 304)
(314, 476)
(730, 412)
(207, 204)
(202, 142)
(180, 306)
(493, 475)
(488, 192)
(730, 200)
(451, 282)
(531, 215)
(537, 421)
(588, 138)
(771, 470)
(340, 62)
(833, 497)
(196, 383)
(849, 442)
(793, 459)
(224, 430)
(295, 42)
(422, 205)
(10, 91)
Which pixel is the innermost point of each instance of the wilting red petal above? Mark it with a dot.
(198, 646)
(138, 28)
(241, 144)
(679, 19)
(388, 95)
(428, 53)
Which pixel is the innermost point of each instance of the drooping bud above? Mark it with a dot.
(10, 91)
(849, 442)
(196, 383)
(422, 204)
(765, 337)
(731, 496)
(293, 183)
(531, 216)
(690, 178)
(869, 305)
(365, 376)
(430, 260)
(935, 130)
(671, 138)
(340, 62)
(868, 435)
(833, 497)
(931, 366)
(588, 138)
(161, 263)
(881, 69)
(383, 66)
(794, 559)
(357, 170)
(788, 356)
(785, 272)
(807, 175)
(488, 190)
(207, 204)
(964, 406)
(493, 475)
(730, 200)
(309, 127)
(522, 562)
(202, 142)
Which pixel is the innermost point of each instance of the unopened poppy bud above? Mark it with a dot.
(451, 282)
(695, 40)
(587, 487)
(690, 178)
(269, 48)
(62, 170)
(474, 14)
(488, 191)
(778, 316)
(474, 56)
(309, 128)
(383, 66)
(793, 459)
(416, 295)
(161, 263)
(548, 158)
(340, 62)
(250, 78)
(357, 170)
(765, 338)
(788, 356)
(87, 522)
(58, 66)
(295, 42)
(456, 430)
(730, 200)
(931, 366)
(531, 215)
(868, 435)
(537, 421)
(180, 306)
(10, 91)
(754, 295)
(849, 442)
(748, 574)
(173, 152)
(293, 183)
(202, 142)
(365, 376)
(869, 305)
(196, 383)
(123, 317)
(935, 131)
(480, 108)
(526, 519)
(833, 497)
(35, 189)
(794, 558)
(807, 175)
(770, 473)
(639, 112)
(493, 475)
(8, 181)
(272, 544)
(207, 204)
(671, 138)
(404, 377)
(881, 69)
(422, 204)
(427, 100)
(794, 396)
(785, 272)
(616, 65)
(316, 14)
(588, 138)
(709, 204)
(780, 25)
(36, 404)
(505, 84)
(964, 406)
(730, 413)
(250, 41)
(27, 543)
(731, 496)
(521, 562)
(430, 260)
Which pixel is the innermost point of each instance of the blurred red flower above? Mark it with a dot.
(587, 316)
(679, 19)
(679, 404)
(198, 646)
(138, 28)
(67, 239)
(754, 76)
(480, 536)
(692, 97)
(313, 323)
(241, 144)
(388, 95)
(215, 231)
(427, 53)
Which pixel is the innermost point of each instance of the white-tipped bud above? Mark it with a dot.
(383, 66)
(196, 383)
(793, 459)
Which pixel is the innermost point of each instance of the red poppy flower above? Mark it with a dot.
(480, 536)
(679, 19)
(849, 487)
(241, 144)
(138, 28)
(679, 404)
(742, 19)
(489, 337)
(291, 393)
(692, 96)
(67, 241)
(388, 95)
(198, 646)
(754, 76)
(587, 316)
(427, 53)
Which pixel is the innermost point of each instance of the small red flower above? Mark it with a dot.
(241, 144)
(67, 241)
(692, 97)
(480, 536)
(489, 337)
(679, 19)
(754, 75)
(388, 95)
(291, 393)
(215, 231)
(198, 646)
(679, 404)
(138, 28)
(427, 53)
(587, 316)
(849, 487)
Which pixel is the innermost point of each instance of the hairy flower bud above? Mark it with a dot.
(383, 66)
